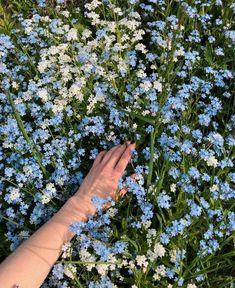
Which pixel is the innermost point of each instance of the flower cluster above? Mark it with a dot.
(83, 79)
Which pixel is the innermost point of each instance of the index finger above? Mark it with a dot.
(123, 161)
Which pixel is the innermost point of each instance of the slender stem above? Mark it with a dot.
(153, 135)
(19, 121)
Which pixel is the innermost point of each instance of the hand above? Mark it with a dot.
(102, 179)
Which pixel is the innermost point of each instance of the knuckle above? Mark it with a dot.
(118, 170)
(104, 170)
(126, 155)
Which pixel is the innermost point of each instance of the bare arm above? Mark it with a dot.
(29, 265)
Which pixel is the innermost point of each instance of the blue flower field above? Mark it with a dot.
(79, 77)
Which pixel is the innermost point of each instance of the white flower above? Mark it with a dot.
(214, 188)
(212, 161)
(134, 126)
(179, 52)
(87, 257)
(75, 90)
(173, 187)
(142, 261)
(27, 170)
(147, 224)
(43, 95)
(159, 250)
(48, 193)
(86, 33)
(131, 264)
(72, 34)
(28, 29)
(66, 248)
(191, 286)
(112, 211)
(15, 85)
(160, 271)
(65, 13)
(157, 85)
(141, 47)
(15, 194)
(45, 18)
(51, 187)
(173, 254)
(138, 35)
(146, 85)
(151, 234)
(94, 17)
(219, 52)
(92, 5)
(70, 271)
(66, 27)
(45, 199)
(42, 65)
(124, 262)
(141, 74)
(24, 234)
(102, 269)
(145, 112)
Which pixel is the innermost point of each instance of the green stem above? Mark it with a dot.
(13, 222)
(19, 121)
(149, 179)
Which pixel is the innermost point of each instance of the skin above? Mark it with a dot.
(29, 265)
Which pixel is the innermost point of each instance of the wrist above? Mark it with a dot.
(76, 208)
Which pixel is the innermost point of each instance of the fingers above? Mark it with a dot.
(124, 190)
(106, 206)
(113, 154)
(124, 159)
(99, 158)
(109, 153)
(117, 154)
(119, 193)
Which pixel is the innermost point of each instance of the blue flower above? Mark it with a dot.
(147, 211)
(119, 247)
(77, 227)
(163, 200)
(211, 39)
(231, 220)
(99, 201)
(105, 281)
(226, 163)
(204, 119)
(174, 172)
(195, 210)
(197, 134)
(204, 203)
(164, 238)
(232, 176)
(194, 173)
(58, 271)
(102, 250)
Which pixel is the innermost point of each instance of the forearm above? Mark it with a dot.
(29, 265)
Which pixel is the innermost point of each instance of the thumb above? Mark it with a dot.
(124, 190)
(120, 193)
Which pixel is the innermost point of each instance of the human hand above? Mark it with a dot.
(102, 179)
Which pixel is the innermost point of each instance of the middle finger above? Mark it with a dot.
(113, 155)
